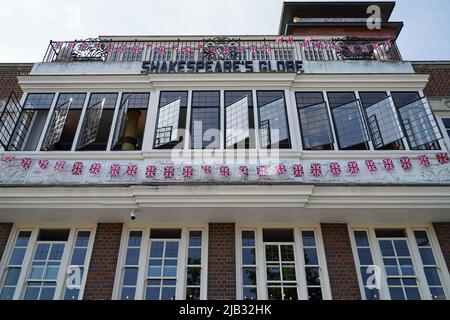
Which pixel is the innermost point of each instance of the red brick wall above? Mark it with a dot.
(102, 267)
(5, 230)
(8, 79)
(438, 85)
(221, 261)
(442, 231)
(340, 262)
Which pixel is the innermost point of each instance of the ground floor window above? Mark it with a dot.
(281, 264)
(163, 264)
(46, 264)
(398, 264)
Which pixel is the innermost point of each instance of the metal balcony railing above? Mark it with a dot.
(223, 48)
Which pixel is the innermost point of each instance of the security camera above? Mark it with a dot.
(132, 215)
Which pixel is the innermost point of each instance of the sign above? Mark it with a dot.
(222, 66)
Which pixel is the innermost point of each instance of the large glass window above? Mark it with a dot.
(351, 131)
(64, 122)
(131, 266)
(239, 120)
(446, 122)
(97, 122)
(249, 266)
(314, 120)
(273, 121)
(418, 120)
(205, 122)
(171, 124)
(364, 254)
(130, 124)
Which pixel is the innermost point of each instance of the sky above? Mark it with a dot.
(27, 26)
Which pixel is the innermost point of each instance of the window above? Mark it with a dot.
(312, 265)
(239, 119)
(383, 123)
(249, 280)
(205, 122)
(418, 120)
(446, 122)
(171, 124)
(130, 124)
(97, 122)
(364, 255)
(273, 122)
(315, 124)
(64, 121)
(171, 267)
(351, 131)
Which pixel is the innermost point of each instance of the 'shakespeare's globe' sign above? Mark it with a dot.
(222, 66)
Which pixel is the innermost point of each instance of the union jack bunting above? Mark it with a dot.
(316, 169)
(442, 157)
(224, 171)
(243, 170)
(279, 40)
(298, 170)
(161, 49)
(95, 168)
(26, 163)
(281, 169)
(77, 168)
(253, 48)
(43, 164)
(290, 39)
(188, 171)
(388, 165)
(406, 163)
(59, 165)
(261, 171)
(7, 159)
(206, 169)
(335, 169)
(150, 171)
(371, 166)
(131, 170)
(114, 170)
(169, 172)
(352, 167)
(424, 161)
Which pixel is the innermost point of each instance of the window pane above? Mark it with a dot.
(168, 123)
(168, 293)
(132, 257)
(249, 293)
(192, 293)
(437, 294)
(312, 276)
(248, 256)
(128, 293)
(427, 256)
(135, 239)
(248, 238)
(249, 276)
(17, 256)
(205, 123)
(311, 256)
(365, 256)
(361, 239)
(273, 123)
(421, 238)
(315, 294)
(274, 293)
(193, 276)
(432, 276)
(308, 238)
(194, 256)
(130, 276)
(152, 293)
(237, 122)
(195, 238)
(12, 276)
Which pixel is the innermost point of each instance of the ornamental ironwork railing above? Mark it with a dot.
(223, 48)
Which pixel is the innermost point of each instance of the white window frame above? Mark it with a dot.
(180, 293)
(298, 256)
(65, 261)
(415, 256)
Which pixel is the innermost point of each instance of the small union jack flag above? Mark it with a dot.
(371, 166)
(77, 168)
(316, 169)
(424, 161)
(169, 172)
(406, 163)
(59, 165)
(442, 157)
(187, 50)
(26, 163)
(298, 170)
(188, 171)
(114, 170)
(206, 169)
(352, 167)
(7, 159)
(150, 171)
(388, 165)
(279, 40)
(95, 168)
(161, 49)
(335, 169)
(290, 39)
(253, 48)
(281, 169)
(224, 171)
(43, 164)
(243, 170)
(266, 48)
(261, 171)
(131, 170)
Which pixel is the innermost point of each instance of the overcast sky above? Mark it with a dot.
(26, 26)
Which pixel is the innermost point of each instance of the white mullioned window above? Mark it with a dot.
(407, 260)
(281, 264)
(46, 264)
(162, 263)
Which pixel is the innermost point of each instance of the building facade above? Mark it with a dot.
(304, 165)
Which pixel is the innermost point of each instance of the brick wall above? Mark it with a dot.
(221, 261)
(5, 230)
(438, 85)
(102, 267)
(442, 231)
(340, 262)
(8, 79)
